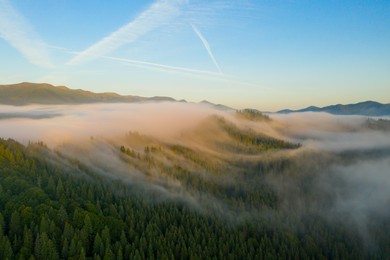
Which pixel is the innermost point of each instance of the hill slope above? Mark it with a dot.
(36, 93)
(367, 108)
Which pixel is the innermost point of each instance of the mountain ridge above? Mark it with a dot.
(365, 108)
(26, 93)
(43, 93)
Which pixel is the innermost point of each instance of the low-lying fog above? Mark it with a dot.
(347, 157)
(64, 123)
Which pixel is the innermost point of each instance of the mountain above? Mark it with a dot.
(216, 106)
(367, 108)
(41, 93)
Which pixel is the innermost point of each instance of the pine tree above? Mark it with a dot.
(5, 248)
(106, 236)
(98, 247)
(108, 254)
(51, 187)
(60, 189)
(62, 216)
(65, 249)
(27, 240)
(45, 248)
(72, 248)
(119, 255)
(82, 254)
(14, 226)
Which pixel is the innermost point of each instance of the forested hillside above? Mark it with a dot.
(52, 210)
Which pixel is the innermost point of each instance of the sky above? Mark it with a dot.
(261, 54)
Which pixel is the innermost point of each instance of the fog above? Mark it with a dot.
(61, 124)
(329, 132)
(340, 171)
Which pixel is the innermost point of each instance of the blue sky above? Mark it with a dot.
(262, 54)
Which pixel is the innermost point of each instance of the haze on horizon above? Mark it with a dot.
(268, 55)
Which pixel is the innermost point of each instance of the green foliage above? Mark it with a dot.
(253, 142)
(46, 213)
(252, 115)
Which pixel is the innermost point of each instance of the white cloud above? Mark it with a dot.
(20, 35)
(158, 14)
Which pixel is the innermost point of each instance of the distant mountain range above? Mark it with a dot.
(34, 93)
(41, 93)
(367, 108)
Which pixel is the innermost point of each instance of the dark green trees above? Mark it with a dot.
(48, 212)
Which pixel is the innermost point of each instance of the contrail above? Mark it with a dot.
(207, 46)
(204, 73)
(21, 36)
(167, 68)
(144, 64)
(158, 14)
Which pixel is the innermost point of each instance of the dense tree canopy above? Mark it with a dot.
(49, 211)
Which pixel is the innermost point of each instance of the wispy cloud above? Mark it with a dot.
(158, 14)
(20, 35)
(207, 46)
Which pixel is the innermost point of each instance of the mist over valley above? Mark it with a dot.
(194, 129)
(282, 172)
